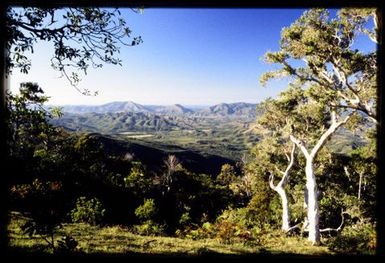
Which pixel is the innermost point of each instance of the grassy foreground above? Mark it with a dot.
(118, 239)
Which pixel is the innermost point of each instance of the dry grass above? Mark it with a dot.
(118, 239)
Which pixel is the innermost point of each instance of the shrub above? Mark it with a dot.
(147, 210)
(185, 218)
(89, 211)
(137, 180)
(227, 175)
(206, 231)
(358, 238)
(67, 245)
(149, 228)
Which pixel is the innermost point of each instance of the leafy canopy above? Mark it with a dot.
(316, 50)
(81, 37)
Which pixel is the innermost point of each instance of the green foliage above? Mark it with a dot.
(357, 238)
(185, 218)
(149, 228)
(147, 210)
(89, 147)
(76, 46)
(27, 120)
(88, 210)
(233, 225)
(227, 175)
(41, 200)
(137, 179)
(332, 67)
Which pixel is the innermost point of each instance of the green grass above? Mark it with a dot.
(118, 239)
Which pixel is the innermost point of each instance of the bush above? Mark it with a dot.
(149, 228)
(234, 225)
(147, 210)
(206, 231)
(359, 238)
(185, 218)
(89, 211)
(227, 175)
(67, 245)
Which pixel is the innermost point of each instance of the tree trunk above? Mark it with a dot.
(311, 184)
(285, 209)
(359, 185)
(280, 189)
(312, 209)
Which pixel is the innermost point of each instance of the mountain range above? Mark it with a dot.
(222, 109)
(118, 117)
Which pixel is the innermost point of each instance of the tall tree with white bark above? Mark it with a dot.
(300, 118)
(318, 50)
(333, 81)
(276, 158)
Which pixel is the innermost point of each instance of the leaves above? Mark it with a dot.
(344, 76)
(98, 32)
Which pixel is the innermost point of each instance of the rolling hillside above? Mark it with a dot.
(118, 117)
(153, 156)
(217, 130)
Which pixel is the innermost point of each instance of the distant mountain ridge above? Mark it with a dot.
(120, 117)
(227, 109)
(116, 106)
(222, 109)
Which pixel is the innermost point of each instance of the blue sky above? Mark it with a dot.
(189, 56)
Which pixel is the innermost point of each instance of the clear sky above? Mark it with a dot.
(189, 56)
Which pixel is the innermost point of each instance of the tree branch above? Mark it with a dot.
(339, 228)
(332, 128)
(299, 145)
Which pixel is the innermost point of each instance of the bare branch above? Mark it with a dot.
(339, 228)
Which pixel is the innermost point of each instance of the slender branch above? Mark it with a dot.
(300, 145)
(38, 31)
(332, 128)
(285, 176)
(339, 228)
(291, 163)
(294, 227)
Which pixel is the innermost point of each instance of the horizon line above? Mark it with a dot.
(151, 104)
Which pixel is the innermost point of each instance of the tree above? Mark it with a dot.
(27, 125)
(81, 37)
(273, 155)
(172, 165)
(280, 189)
(318, 50)
(338, 81)
(299, 117)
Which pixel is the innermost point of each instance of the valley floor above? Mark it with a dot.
(119, 240)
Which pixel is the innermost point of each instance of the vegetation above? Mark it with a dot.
(89, 211)
(83, 37)
(78, 192)
(118, 239)
(335, 84)
(217, 130)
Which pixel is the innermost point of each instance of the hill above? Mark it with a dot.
(115, 122)
(153, 156)
(239, 109)
(222, 109)
(117, 106)
(173, 109)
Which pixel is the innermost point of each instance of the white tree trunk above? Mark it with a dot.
(280, 189)
(285, 209)
(312, 211)
(359, 185)
(311, 184)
